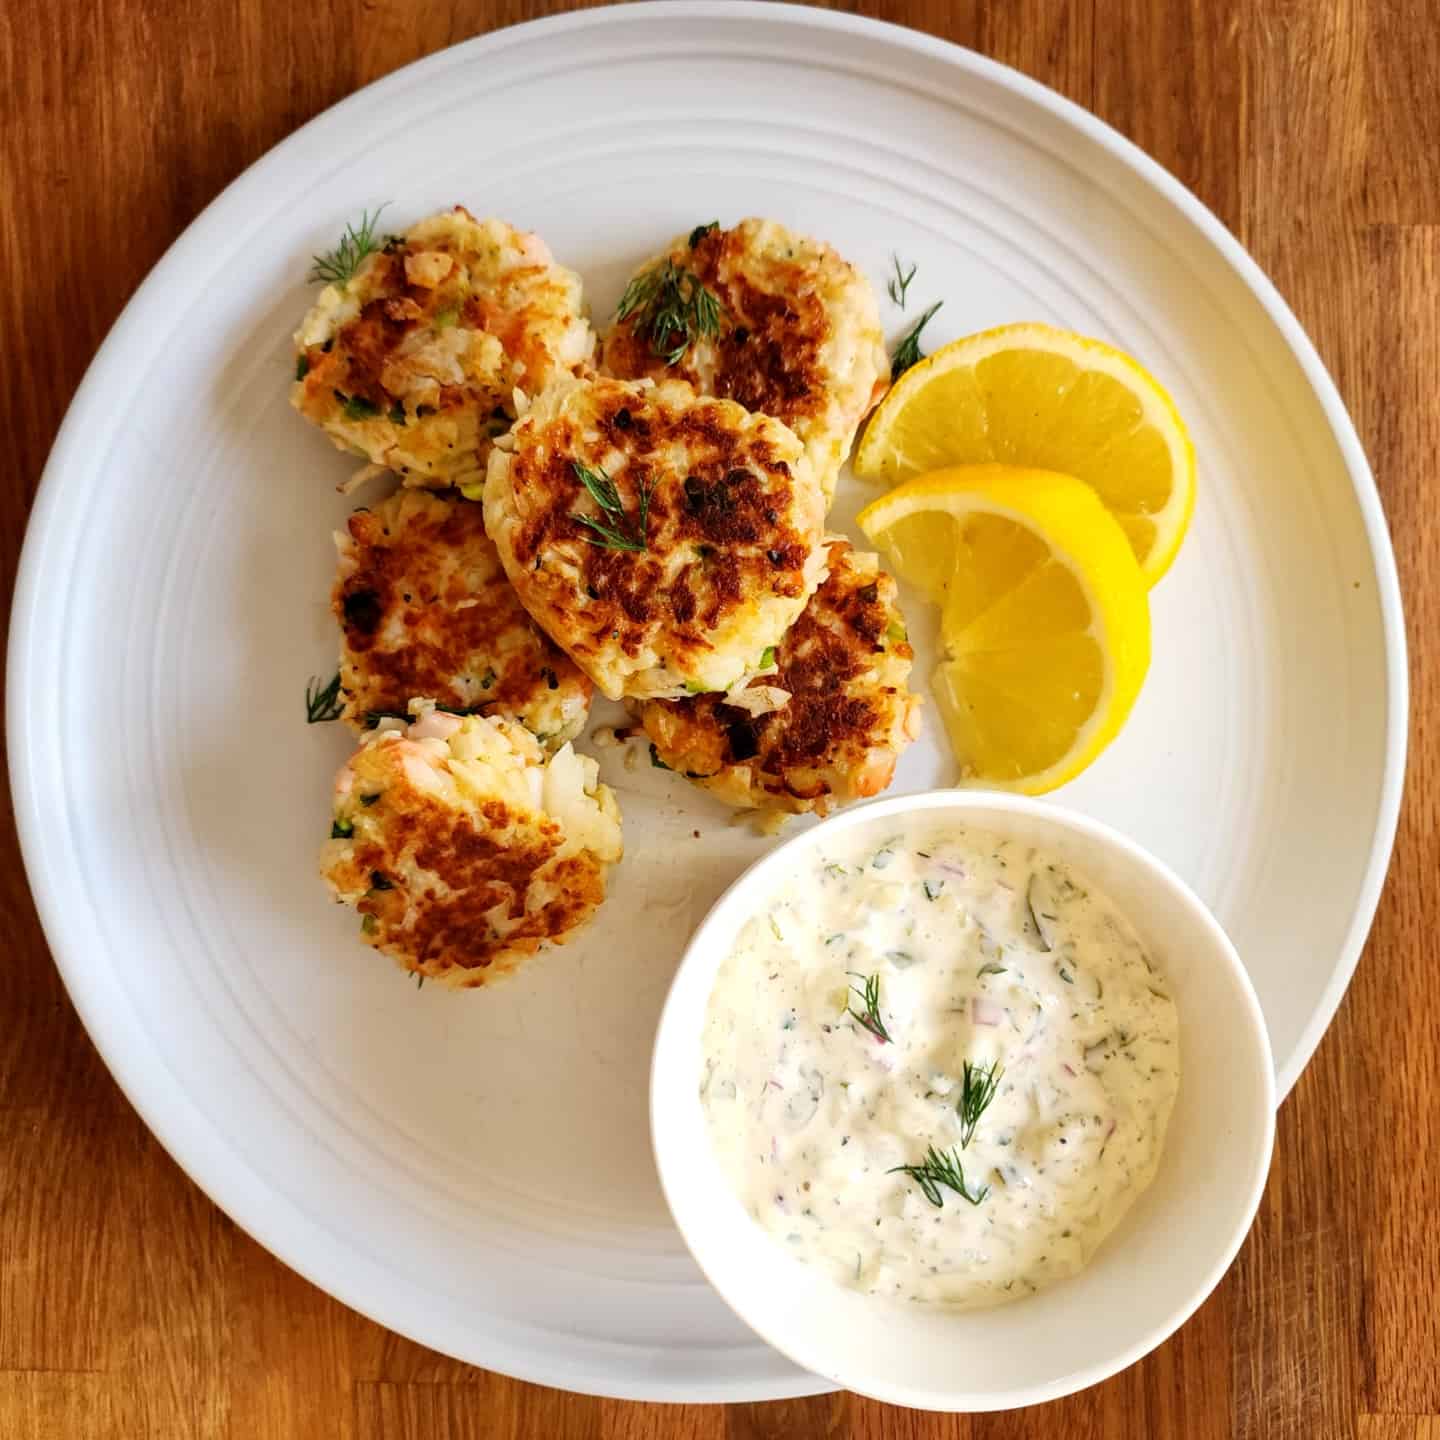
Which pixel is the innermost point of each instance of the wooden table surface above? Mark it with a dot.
(129, 1306)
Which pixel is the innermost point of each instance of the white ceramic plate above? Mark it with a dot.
(474, 1170)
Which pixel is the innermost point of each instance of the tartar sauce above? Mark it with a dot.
(962, 949)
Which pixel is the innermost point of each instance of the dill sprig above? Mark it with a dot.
(323, 703)
(978, 1088)
(869, 995)
(939, 1168)
(674, 308)
(907, 352)
(615, 531)
(899, 282)
(338, 265)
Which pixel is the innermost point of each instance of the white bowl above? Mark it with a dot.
(1162, 1260)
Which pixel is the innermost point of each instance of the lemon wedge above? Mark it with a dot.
(1032, 395)
(1046, 621)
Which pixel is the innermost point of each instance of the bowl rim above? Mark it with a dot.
(1248, 1010)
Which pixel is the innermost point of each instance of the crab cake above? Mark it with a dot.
(426, 610)
(797, 334)
(827, 725)
(663, 539)
(464, 848)
(414, 359)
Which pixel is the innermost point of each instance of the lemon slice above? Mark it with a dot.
(1046, 622)
(1031, 395)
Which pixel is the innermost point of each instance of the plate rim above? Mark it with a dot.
(193, 1140)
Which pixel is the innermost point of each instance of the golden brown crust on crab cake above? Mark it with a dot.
(731, 546)
(414, 361)
(799, 337)
(426, 610)
(465, 849)
(845, 665)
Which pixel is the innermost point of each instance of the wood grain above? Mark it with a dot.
(130, 1307)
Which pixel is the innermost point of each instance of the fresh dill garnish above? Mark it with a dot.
(673, 307)
(323, 704)
(302, 367)
(338, 265)
(899, 283)
(767, 657)
(655, 759)
(977, 1089)
(937, 1169)
(701, 231)
(990, 969)
(907, 352)
(615, 531)
(341, 829)
(419, 980)
(869, 993)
